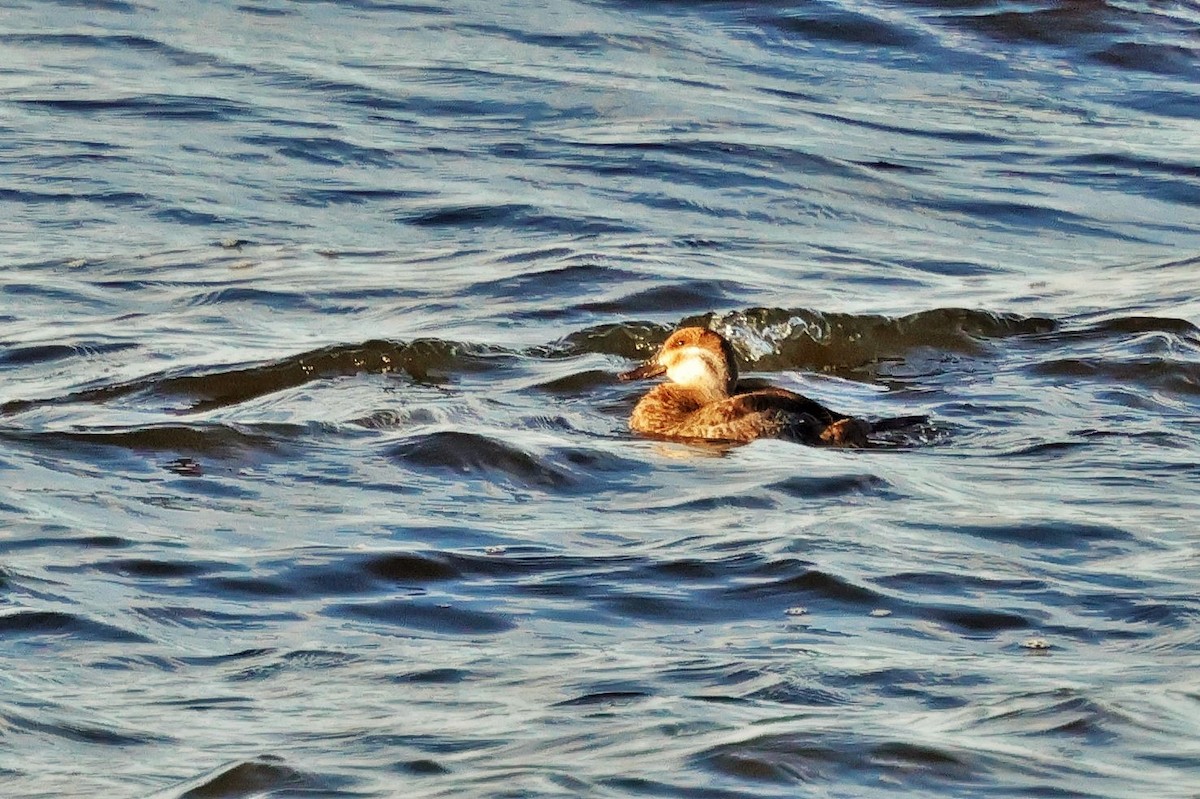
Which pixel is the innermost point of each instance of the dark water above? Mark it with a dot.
(315, 475)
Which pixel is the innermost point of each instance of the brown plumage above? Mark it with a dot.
(703, 400)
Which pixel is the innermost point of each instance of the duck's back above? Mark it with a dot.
(674, 411)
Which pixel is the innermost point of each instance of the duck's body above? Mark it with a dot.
(704, 400)
(674, 411)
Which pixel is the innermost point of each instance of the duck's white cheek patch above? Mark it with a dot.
(691, 367)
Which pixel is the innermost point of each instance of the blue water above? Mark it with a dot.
(314, 471)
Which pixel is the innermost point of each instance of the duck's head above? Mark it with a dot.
(693, 357)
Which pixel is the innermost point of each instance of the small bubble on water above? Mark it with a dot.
(879, 613)
(1036, 644)
(796, 611)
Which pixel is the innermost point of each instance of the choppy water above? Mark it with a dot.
(315, 473)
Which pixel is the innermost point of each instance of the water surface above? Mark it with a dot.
(316, 479)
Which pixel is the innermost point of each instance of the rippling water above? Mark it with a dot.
(316, 474)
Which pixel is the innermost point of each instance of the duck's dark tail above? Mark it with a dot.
(898, 423)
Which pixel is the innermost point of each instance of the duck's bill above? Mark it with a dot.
(642, 372)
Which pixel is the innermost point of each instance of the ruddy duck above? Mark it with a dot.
(703, 400)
